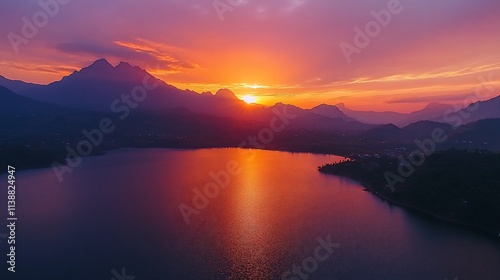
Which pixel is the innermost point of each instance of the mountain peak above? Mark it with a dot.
(291, 108)
(281, 104)
(98, 66)
(340, 105)
(325, 106)
(124, 64)
(225, 93)
(330, 111)
(102, 62)
(101, 69)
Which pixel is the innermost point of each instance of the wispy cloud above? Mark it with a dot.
(424, 76)
(63, 70)
(288, 46)
(429, 99)
(164, 54)
(142, 51)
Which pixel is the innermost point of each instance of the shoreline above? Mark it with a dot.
(111, 150)
(366, 186)
(410, 207)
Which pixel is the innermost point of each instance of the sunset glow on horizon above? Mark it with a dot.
(275, 51)
(249, 99)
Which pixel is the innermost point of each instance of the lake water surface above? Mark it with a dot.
(121, 210)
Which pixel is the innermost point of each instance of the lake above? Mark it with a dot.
(255, 215)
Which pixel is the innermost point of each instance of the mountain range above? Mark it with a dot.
(97, 87)
(15, 105)
(430, 112)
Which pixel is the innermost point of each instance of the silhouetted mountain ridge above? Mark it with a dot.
(15, 105)
(488, 109)
(100, 85)
(330, 111)
(16, 85)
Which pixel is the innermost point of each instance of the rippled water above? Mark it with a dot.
(121, 210)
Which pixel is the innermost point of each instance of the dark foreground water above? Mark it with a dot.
(119, 215)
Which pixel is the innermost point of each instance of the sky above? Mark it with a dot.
(369, 54)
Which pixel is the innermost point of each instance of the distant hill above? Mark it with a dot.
(16, 86)
(383, 133)
(432, 111)
(330, 111)
(435, 112)
(488, 109)
(416, 131)
(14, 105)
(372, 117)
(424, 129)
(483, 134)
(311, 120)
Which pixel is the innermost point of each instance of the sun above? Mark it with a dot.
(249, 99)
